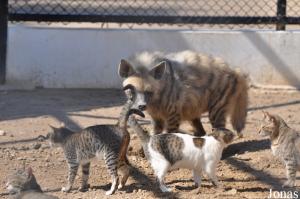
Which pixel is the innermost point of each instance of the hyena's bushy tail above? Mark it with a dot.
(135, 126)
(240, 104)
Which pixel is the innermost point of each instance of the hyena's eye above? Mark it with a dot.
(148, 94)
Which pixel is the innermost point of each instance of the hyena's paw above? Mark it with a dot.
(120, 186)
(84, 188)
(66, 189)
(288, 184)
(240, 135)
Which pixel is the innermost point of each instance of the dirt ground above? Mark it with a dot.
(24, 115)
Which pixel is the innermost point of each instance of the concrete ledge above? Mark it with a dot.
(88, 58)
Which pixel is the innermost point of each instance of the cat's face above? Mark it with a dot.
(55, 137)
(58, 135)
(268, 125)
(21, 180)
(223, 135)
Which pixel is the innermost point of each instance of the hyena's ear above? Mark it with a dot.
(125, 69)
(159, 70)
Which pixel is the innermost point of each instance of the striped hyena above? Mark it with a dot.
(181, 86)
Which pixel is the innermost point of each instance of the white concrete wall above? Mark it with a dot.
(88, 58)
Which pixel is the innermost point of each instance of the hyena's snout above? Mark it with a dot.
(142, 107)
(141, 102)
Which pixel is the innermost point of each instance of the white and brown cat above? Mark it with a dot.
(178, 150)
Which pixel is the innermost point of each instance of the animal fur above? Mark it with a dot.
(182, 86)
(285, 144)
(178, 150)
(23, 185)
(111, 141)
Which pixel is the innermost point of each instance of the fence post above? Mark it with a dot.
(281, 14)
(3, 38)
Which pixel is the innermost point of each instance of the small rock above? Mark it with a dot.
(231, 192)
(36, 146)
(21, 158)
(139, 186)
(2, 133)
(24, 148)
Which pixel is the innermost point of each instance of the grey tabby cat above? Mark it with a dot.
(23, 185)
(285, 144)
(109, 140)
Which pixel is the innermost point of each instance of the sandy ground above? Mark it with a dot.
(24, 115)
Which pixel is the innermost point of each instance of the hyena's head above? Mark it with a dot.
(144, 85)
(270, 125)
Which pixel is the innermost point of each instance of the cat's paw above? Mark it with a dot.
(218, 185)
(110, 192)
(240, 135)
(165, 189)
(66, 189)
(197, 184)
(288, 184)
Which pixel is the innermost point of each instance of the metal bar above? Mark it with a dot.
(281, 14)
(146, 19)
(3, 38)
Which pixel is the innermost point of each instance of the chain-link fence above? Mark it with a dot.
(238, 12)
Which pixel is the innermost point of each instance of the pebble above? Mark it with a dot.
(36, 146)
(2, 133)
(231, 192)
(24, 148)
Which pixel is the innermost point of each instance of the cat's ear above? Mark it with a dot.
(264, 114)
(29, 171)
(270, 116)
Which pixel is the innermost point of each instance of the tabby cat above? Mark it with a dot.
(285, 144)
(80, 147)
(178, 150)
(23, 185)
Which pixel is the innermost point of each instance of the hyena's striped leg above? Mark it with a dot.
(218, 118)
(73, 168)
(158, 126)
(291, 169)
(198, 128)
(173, 123)
(85, 177)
